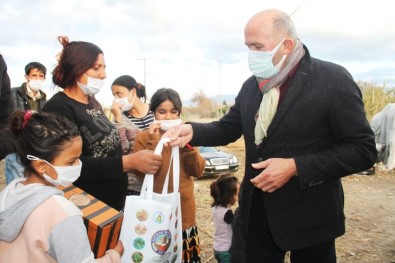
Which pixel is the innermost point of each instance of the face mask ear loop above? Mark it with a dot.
(133, 100)
(32, 158)
(277, 47)
(281, 62)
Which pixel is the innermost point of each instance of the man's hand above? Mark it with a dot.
(179, 135)
(276, 173)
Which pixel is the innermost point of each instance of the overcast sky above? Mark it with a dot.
(193, 45)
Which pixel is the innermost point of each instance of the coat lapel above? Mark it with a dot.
(292, 94)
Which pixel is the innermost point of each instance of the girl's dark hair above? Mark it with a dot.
(130, 83)
(75, 59)
(43, 135)
(223, 189)
(164, 94)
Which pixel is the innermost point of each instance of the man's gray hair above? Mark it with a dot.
(283, 23)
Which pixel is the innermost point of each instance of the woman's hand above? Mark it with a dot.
(143, 161)
(116, 110)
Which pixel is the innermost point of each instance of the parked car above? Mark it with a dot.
(218, 161)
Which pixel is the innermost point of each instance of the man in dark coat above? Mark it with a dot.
(5, 107)
(304, 127)
(5, 94)
(29, 96)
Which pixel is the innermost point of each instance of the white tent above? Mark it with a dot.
(383, 125)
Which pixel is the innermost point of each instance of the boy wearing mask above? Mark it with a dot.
(28, 96)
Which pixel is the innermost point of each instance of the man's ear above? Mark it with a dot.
(40, 166)
(289, 45)
(27, 78)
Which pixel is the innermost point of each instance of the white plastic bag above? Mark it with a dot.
(152, 228)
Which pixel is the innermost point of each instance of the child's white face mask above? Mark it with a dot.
(66, 174)
(167, 124)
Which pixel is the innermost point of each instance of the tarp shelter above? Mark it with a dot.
(383, 125)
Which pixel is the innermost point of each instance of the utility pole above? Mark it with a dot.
(219, 112)
(144, 59)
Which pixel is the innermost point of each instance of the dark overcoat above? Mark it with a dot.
(322, 124)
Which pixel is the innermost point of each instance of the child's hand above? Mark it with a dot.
(154, 128)
(119, 247)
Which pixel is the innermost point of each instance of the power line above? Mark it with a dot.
(296, 9)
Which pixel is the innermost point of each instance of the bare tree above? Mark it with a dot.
(204, 106)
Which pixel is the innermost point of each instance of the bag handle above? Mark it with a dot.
(175, 159)
(148, 185)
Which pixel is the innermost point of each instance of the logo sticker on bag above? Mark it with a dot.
(139, 243)
(158, 217)
(161, 241)
(142, 215)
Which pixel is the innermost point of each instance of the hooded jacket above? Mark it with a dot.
(37, 224)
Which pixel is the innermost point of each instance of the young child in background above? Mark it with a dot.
(166, 106)
(37, 224)
(224, 192)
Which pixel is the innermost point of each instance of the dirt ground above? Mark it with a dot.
(369, 208)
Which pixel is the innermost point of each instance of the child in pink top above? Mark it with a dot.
(224, 192)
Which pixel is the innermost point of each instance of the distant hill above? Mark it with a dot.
(229, 98)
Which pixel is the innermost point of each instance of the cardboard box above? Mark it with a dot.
(103, 223)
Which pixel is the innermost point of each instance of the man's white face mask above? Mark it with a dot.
(36, 84)
(261, 64)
